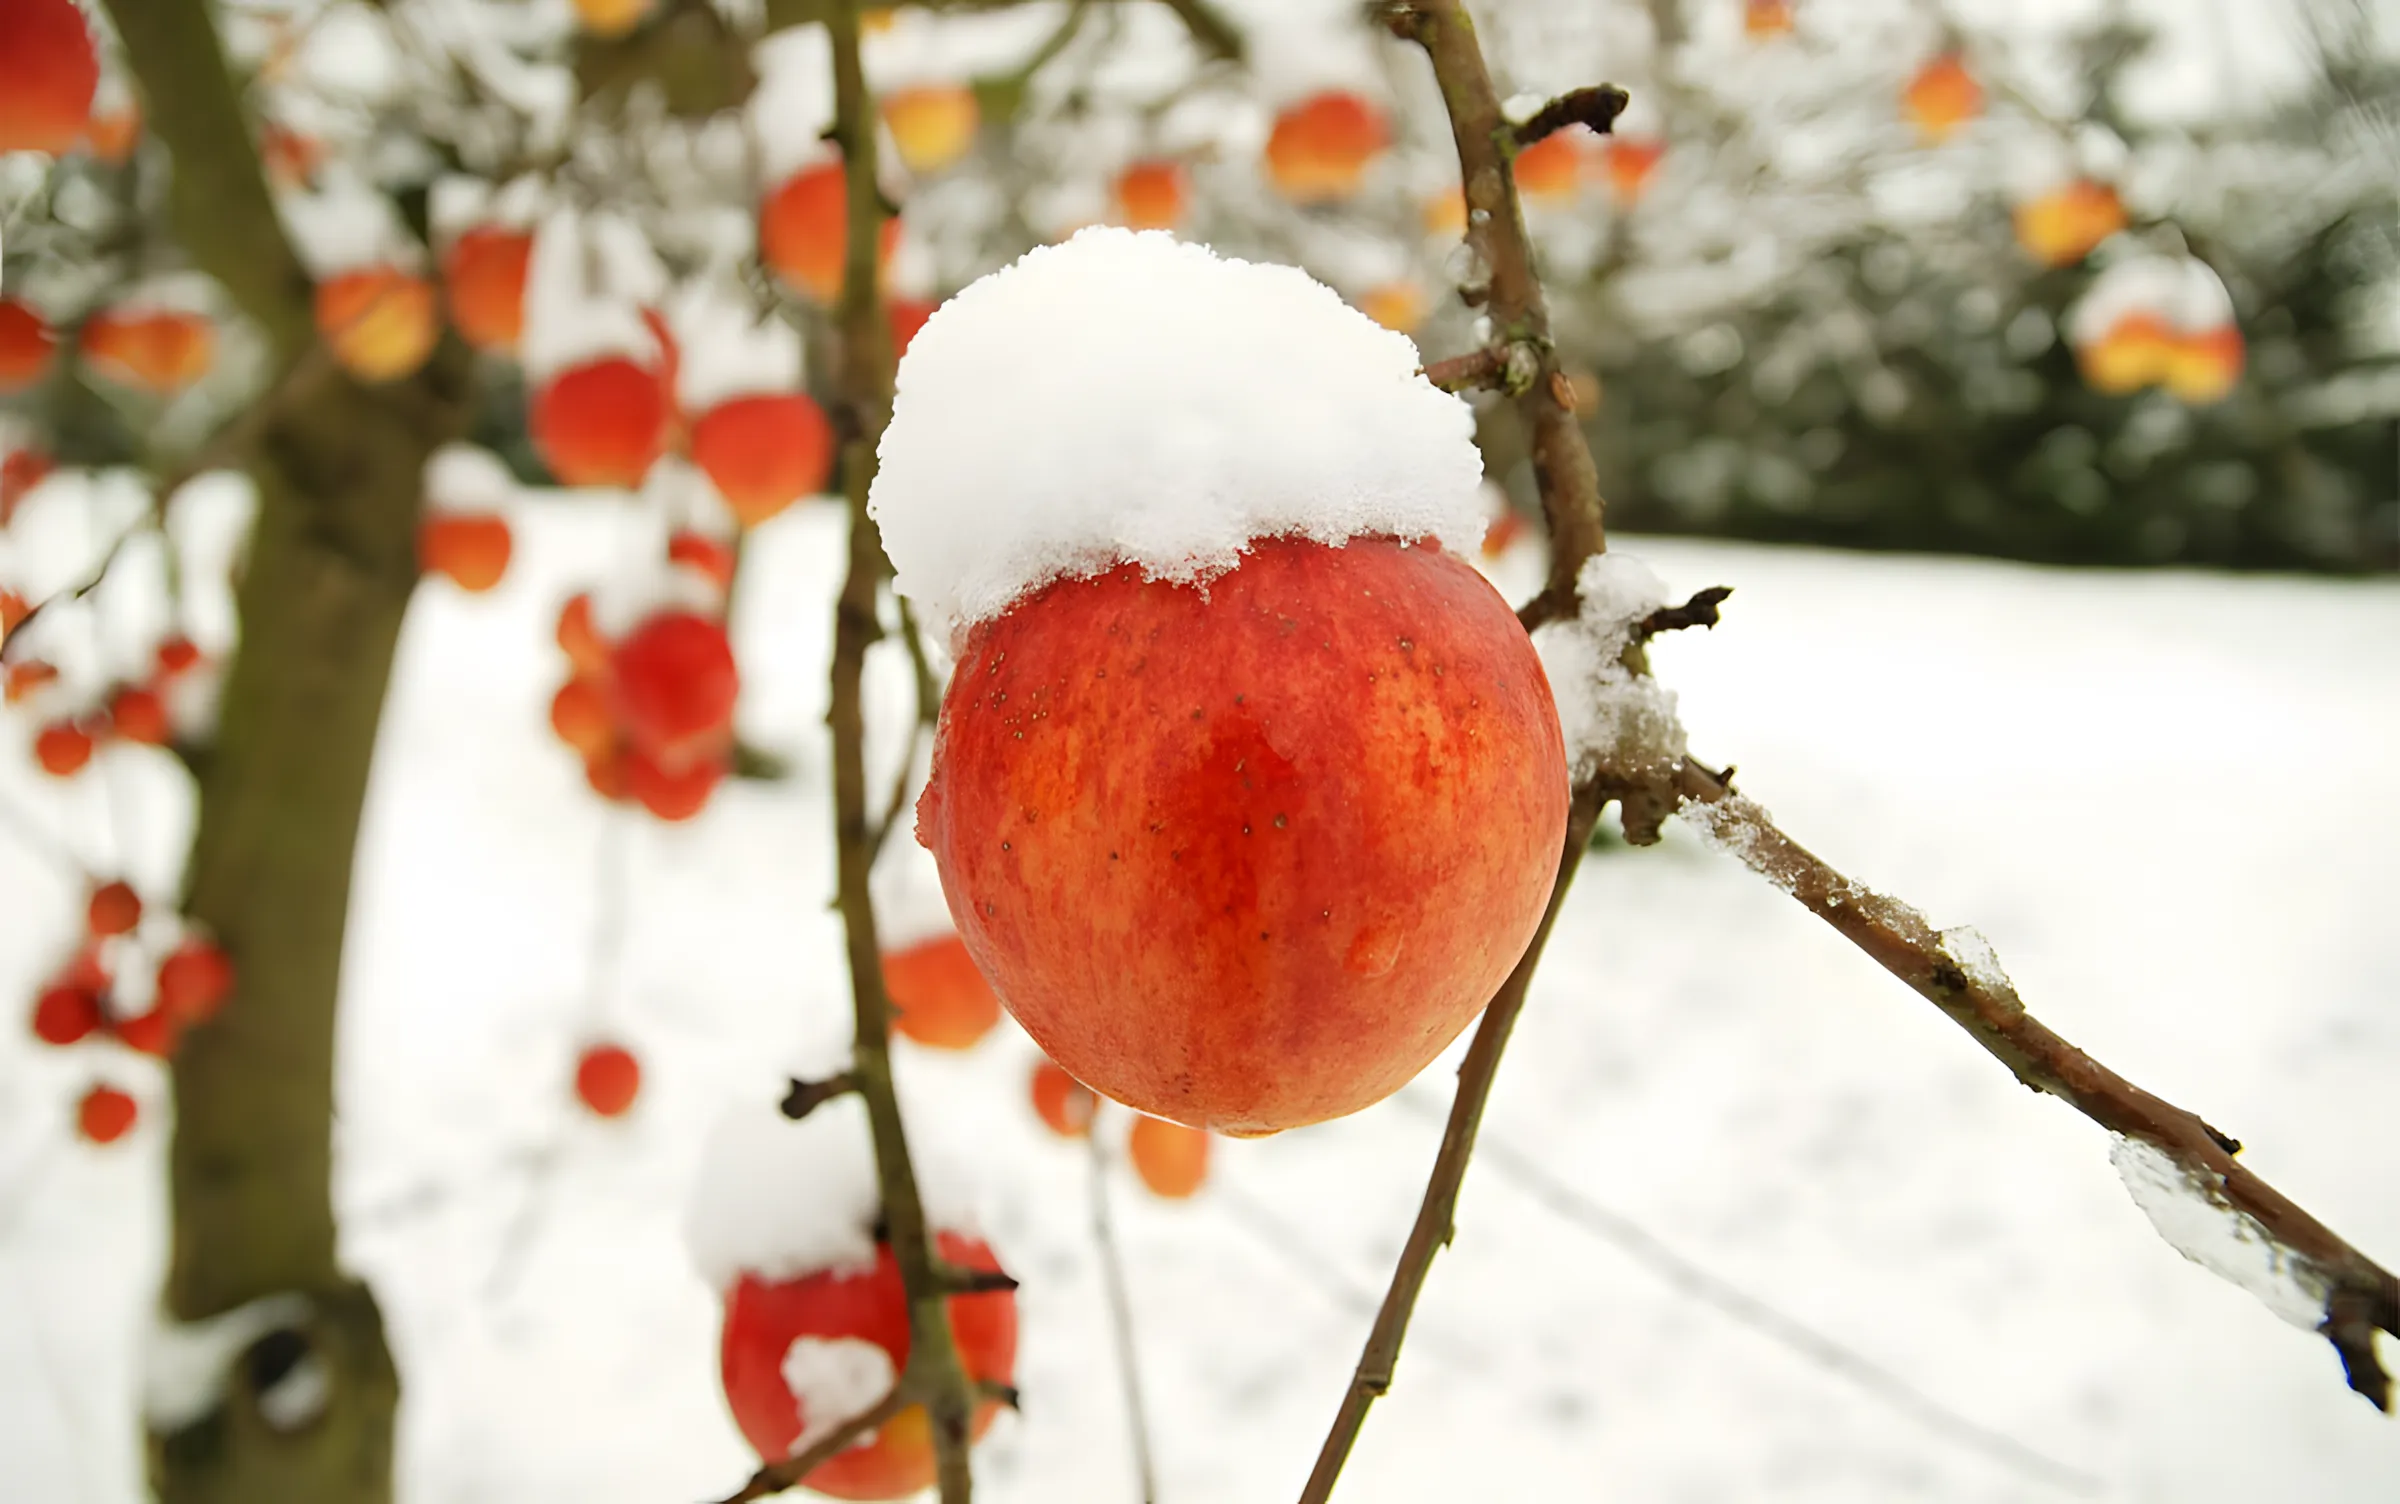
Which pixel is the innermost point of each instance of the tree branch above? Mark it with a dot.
(1955, 971)
(934, 1372)
(1120, 1321)
(775, 1477)
(223, 215)
(1596, 106)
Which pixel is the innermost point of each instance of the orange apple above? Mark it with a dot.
(579, 713)
(1505, 530)
(1250, 857)
(193, 982)
(764, 452)
(704, 556)
(114, 909)
(65, 1013)
(2134, 352)
(932, 126)
(26, 345)
(603, 423)
(2202, 368)
(1446, 214)
(613, 18)
(1395, 305)
(177, 655)
(62, 748)
(157, 350)
(581, 641)
(672, 791)
(764, 1320)
(137, 714)
(607, 1078)
(1065, 1105)
(938, 997)
(2059, 228)
(379, 321)
(484, 274)
(472, 548)
(1171, 1160)
(1150, 195)
(49, 72)
(111, 133)
(803, 231)
(1320, 147)
(1628, 162)
(1941, 98)
(1551, 169)
(105, 1114)
(290, 158)
(28, 675)
(1766, 18)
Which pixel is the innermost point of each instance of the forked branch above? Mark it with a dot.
(1957, 973)
(776, 1477)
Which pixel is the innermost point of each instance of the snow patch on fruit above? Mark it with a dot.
(468, 478)
(833, 1379)
(1129, 398)
(584, 290)
(1612, 716)
(781, 1199)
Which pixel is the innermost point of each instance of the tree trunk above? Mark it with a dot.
(306, 1412)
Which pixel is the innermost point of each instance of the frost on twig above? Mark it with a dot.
(2180, 1170)
(1619, 721)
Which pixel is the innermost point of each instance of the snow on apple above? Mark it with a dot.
(1247, 790)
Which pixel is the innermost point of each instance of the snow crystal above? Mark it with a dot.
(1612, 717)
(833, 1379)
(2199, 1223)
(781, 1199)
(467, 478)
(1126, 397)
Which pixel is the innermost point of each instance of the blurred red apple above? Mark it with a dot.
(1171, 1160)
(484, 275)
(472, 548)
(603, 423)
(607, 1078)
(938, 997)
(26, 345)
(1320, 147)
(49, 72)
(105, 1114)
(764, 452)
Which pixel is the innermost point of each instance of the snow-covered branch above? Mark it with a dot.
(2181, 1171)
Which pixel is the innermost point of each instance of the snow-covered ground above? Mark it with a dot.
(2172, 801)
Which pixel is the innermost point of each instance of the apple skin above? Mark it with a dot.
(763, 1318)
(1248, 855)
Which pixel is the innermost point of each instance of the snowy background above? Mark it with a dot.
(2171, 800)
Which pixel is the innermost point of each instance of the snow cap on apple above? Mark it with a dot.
(1248, 790)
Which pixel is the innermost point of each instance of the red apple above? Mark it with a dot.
(1250, 857)
(156, 1032)
(938, 997)
(603, 423)
(932, 127)
(908, 315)
(579, 713)
(585, 648)
(137, 714)
(65, 1013)
(26, 676)
(1551, 169)
(675, 684)
(62, 748)
(607, 1078)
(26, 345)
(764, 452)
(804, 228)
(671, 791)
(1941, 98)
(161, 350)
(177, 655)
(1628, 163)
(105, 1114)
(193, 982)
(764, 1320)
(705, 556)
(49, 72)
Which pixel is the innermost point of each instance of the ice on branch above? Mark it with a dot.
(1613, 717)
(1128, 398)
(2194, 1216)
(781, 1199)
(833, 1379)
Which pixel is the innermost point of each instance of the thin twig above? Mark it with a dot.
(1646, 1248)
(1434, 1224)
(1699, 611)
(1596, 106)
(1475, 371)
(1120, 1320)
(776, 1477)
(934, 1374)
(1956, 973)
(1570, 490)
(806, 1097)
